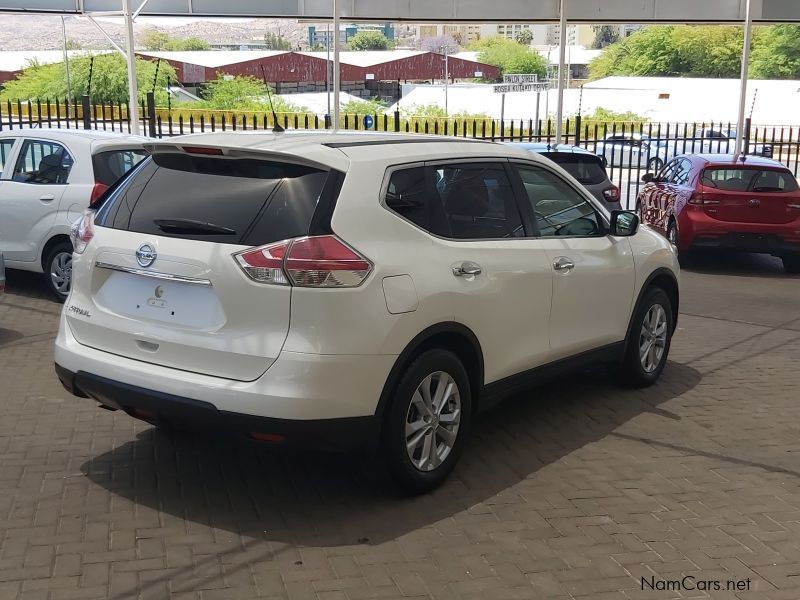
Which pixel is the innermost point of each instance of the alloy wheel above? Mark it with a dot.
(653, 338)
(61, 272)
(432, 421)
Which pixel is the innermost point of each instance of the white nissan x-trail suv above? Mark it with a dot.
(354, 288)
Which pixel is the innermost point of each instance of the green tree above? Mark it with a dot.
(153, 39)
(109, 79)
(192, 43)
(242, 93)
(509, 56)
(604, 35)
(776, 53)
(363, 107)
(524, 37)
(275, 41)
(369, 40)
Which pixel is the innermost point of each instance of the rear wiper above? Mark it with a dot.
(190, 226)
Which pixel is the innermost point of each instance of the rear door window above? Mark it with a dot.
(110, 165)
(588, 170)
(749, 180)
(43, 162)
(233, 201)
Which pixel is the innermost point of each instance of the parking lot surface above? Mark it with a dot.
(574, 490)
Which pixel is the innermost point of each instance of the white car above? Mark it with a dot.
(48, 177)
(369, 288)
(635, 150)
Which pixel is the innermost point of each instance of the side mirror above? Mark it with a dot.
(648, 177)
(624, 223)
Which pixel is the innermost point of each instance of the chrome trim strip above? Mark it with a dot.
(153, 274)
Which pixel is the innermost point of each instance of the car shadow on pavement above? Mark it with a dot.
(332, 499)
(9, 335)
(742, 264)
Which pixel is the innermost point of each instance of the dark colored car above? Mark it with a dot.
(589, 169)
(721, 201)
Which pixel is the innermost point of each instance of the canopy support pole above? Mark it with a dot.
(337, 84)
(748, 30)
(133, 92)
(562, 50)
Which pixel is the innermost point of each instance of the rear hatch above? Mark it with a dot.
(163, 285)
(750, 194)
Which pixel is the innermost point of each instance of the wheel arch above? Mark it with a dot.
(666, 280)
(51, 243)
(453, 336)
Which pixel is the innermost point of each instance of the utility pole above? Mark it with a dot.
(336, 72)
(133, 92)
(562, 48)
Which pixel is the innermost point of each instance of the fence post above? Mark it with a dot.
(397, 120)
(87, 112)
(151, 113)
(577, 130)
(746, 145)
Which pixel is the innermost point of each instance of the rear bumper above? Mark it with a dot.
(698, 230)
(154, 406)
(299, 392)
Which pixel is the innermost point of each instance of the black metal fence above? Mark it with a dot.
(629, 148)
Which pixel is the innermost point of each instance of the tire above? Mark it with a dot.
(674, 239)
(654, 165)
(416, 470)
(58, 270)
(791, 263)
(636, 370)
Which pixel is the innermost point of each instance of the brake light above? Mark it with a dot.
(203, 150)
(315, 261)
(696, 198)
(82, 232)
(612, 194)
(98, 190)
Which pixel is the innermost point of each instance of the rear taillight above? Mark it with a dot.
(318, 261)
(98, 190)
(611, 194)
(82, 232)
(696, 198)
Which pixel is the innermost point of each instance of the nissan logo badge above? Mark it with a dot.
(146, 255)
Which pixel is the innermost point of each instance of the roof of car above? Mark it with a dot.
(58, 133)
(730, 160)
(337, 149)
(547, 148)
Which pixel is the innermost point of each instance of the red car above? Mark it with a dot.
(704, 201)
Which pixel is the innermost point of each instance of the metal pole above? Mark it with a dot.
(328, 70)
(336, 74)
(446, 81)
(537, 110)
(748, 21)
(133, 93)
(66, 62)
(562, 48)
(502, 111)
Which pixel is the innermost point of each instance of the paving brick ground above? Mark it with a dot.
(577, 490)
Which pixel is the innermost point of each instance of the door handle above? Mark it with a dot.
(467, 268)
(47, 198)
(562, 263)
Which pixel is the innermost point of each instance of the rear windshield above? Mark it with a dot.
(587, 169)
(110, 165)
(232, 201)
(749, 180)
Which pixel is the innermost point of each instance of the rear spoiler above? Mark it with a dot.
(198, 148)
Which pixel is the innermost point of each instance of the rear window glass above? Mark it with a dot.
(749, 180)
(110, 165)
(232, 201)
(588, 170)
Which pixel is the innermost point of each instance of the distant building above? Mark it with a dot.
(322, 36)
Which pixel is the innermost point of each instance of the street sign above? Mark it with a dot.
(520, 78)
(368, 122)
(504, 88)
